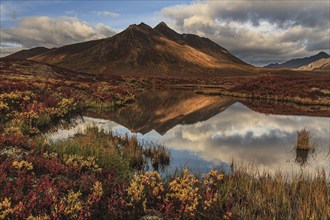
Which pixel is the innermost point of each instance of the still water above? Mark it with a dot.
(203, 132)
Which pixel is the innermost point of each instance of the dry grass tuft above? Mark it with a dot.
(303, 140)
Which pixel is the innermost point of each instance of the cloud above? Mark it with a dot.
(107, 13)
(258, 32)
(104, 30)
(52, 32)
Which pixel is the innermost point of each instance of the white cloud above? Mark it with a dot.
(258, 32)
(53, 32)
(106, 13)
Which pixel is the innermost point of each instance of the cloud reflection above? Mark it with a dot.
(266, 141)
(250, 137)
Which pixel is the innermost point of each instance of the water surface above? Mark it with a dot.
(203, 132)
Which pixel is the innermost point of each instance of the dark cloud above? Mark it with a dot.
(258, 32)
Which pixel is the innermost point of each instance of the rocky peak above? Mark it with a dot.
(169, 33)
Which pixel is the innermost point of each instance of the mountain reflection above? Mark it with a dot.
(161, 111)
(207, 131)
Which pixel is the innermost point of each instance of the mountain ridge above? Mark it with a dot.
(27, 53)
(143, 50)
(298, 62)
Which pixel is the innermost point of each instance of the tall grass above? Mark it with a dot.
(243, 193)
(264, 196)
(303, 147)
(159, 156)
(304, 140)
(123, 154)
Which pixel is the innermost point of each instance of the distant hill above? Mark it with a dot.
(142, 50)
(25, 54)
(19, 67)
(322, 64)
(296, 63)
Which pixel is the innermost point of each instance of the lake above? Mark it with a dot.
(203, 132)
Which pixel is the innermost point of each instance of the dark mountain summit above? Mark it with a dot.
(299, 62)
(143, 50)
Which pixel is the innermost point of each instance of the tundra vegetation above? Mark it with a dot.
(98, 175)
(303, 90)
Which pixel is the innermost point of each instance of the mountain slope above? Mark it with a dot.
(19, 67)
(322, 64)
(143, 50)
(296, 63)
(25, 54)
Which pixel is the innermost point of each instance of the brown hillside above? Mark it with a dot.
(142, 50)
(25, 54)
(319, 65)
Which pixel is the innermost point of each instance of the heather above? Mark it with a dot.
(31, 105)
(99, 175)
(49, 187)
(303, 90)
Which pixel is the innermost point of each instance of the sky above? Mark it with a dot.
(259, 32)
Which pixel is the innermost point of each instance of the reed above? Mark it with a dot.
(265, 196)
(304, 140)
(159, 156)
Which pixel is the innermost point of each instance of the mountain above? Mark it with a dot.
(19, 67)
(322, 64)
(25, 54)
(142, 50)
(296, 63)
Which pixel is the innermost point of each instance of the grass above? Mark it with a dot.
(242, 194)
(106, 177)
(303, 90)
(123, 154)
(304, 140)
(159, 156)
(114, 170)
(263, 196)
(303, 147)
(35, 104)
(292, 99)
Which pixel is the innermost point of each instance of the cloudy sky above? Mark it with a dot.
(258, 32)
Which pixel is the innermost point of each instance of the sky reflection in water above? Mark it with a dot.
(266, 141)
